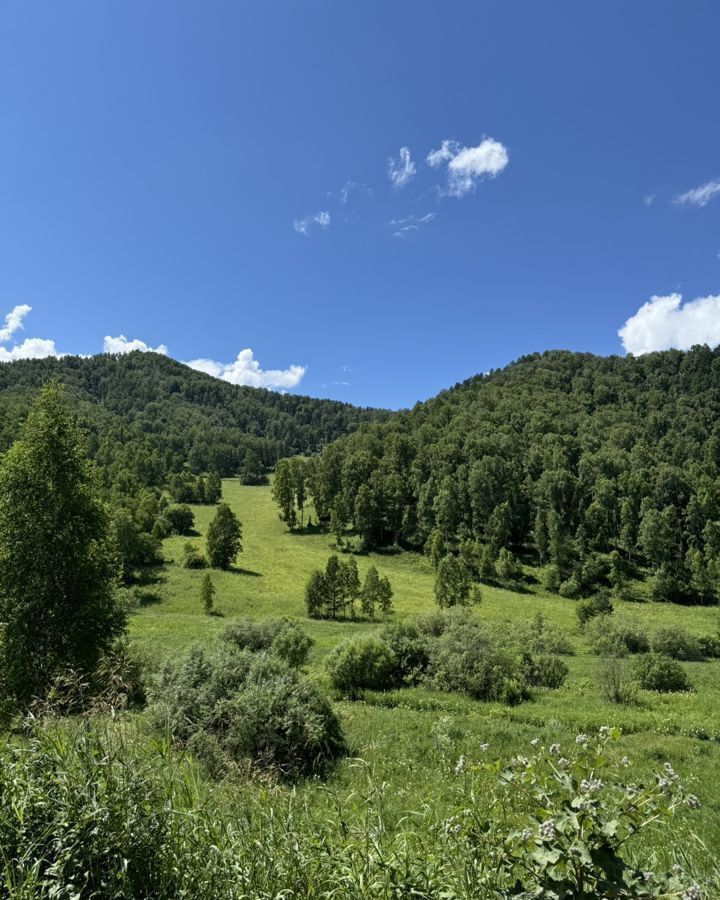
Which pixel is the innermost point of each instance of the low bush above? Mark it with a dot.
(677, 644)
(193, 558)
(361, 664)
(543, 671)
(411, 649)
(610, 637)
(180, 519)
(537, 636)
(282, 637)
(599, 605)
(661, 673)
(616, 681)
(710, 645)
(258, 710)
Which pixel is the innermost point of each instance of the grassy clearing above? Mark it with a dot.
(409, 740)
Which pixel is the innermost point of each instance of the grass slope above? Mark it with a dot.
(409, 740)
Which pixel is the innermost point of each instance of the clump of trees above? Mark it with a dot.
(336, 592)
(605, 470)
(224, 538)
(282, 637)
(59, 568)
(185, 487)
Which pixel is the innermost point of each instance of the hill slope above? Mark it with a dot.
(150, 415)
(567, 456)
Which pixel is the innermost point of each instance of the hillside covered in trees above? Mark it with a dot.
(149, 416)
(601, 468)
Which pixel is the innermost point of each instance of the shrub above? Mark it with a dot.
(508, 568)
(613, 638)
(258, 710)
(544, 671)
(599, 605)
(411, 649)
(677, 644)
(616, 682)
(180, 519)
(539, 637)
(193, 558)
(471, 660)
(570, 589)
(362, 664)
(660, 673)
(710, 645)
(550, 579)
(282, 637)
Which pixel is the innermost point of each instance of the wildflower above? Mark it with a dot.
(648, 876)
(581, 739)
(604, 730)
(460, 767)
(625, 762)
(692, 893)
(526, 834)
(563, 763)
(671, 774)
(484, 747)
(534, 742)
(663, 783)
(554, 749)
(692, 801)
(590, 785)
(675, 869)
(547, 830)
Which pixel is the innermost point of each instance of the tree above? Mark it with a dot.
(508, 567)
(452, 585)
(299, 485)
(206, 593)
(283, 491)
(224, 538)
(376, 592)
(58, 566)
(315, 594)
(350, 583)
(213, 488)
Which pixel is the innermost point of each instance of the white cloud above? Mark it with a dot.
(409, 223)
(31, 348)
(13, 321)
(700, 196)
(649, 199)
(468, 165)
(303, 226)
(121, 344)
(665, 322)
(246, 370)
(401, 170)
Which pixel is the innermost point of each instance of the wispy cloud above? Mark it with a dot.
(665, 322)
(401, 170)
(350, 188)
(700, 196)
(121, 344)
(649, 199)
(246, 370)
(304, 226)
(403, 227)
(466, 166)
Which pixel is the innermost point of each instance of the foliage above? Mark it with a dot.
(180, 519)
(193, 558)
(660, 673)
(283, 637)
(376, 594)
(538, 636)
(411, 650)
(58, 568)
(616, 681)
(253, 708)
(677, 643)
(207, 592)
(361, 664)
(543, 671)
(453, 583)
(335, 591)
(585, 811)
(613, 637)
(587, 610)
(224, 538)
(507, 567)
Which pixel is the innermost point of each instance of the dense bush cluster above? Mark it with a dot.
(283, 637)
(241, 710)
(453, 651)
(599, 467)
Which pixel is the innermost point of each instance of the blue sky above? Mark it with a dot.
(212, 178)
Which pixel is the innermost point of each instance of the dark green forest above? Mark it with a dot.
(148, 417)
(602, 469)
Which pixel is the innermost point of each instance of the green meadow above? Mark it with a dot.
(407, 741)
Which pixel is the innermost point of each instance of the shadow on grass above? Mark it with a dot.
(147, 575)
(238, 570)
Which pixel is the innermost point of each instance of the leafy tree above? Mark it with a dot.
(180, 519)
(283, 491)
(453, 583)
(376, 594)
(224, 538)
(315, 595)
(192, 557)
(350, 584)
(213, 488)
(206, 593)
(58, 567)
(508, 567)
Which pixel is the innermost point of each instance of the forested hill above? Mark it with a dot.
(585, 462)
(149, 415)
